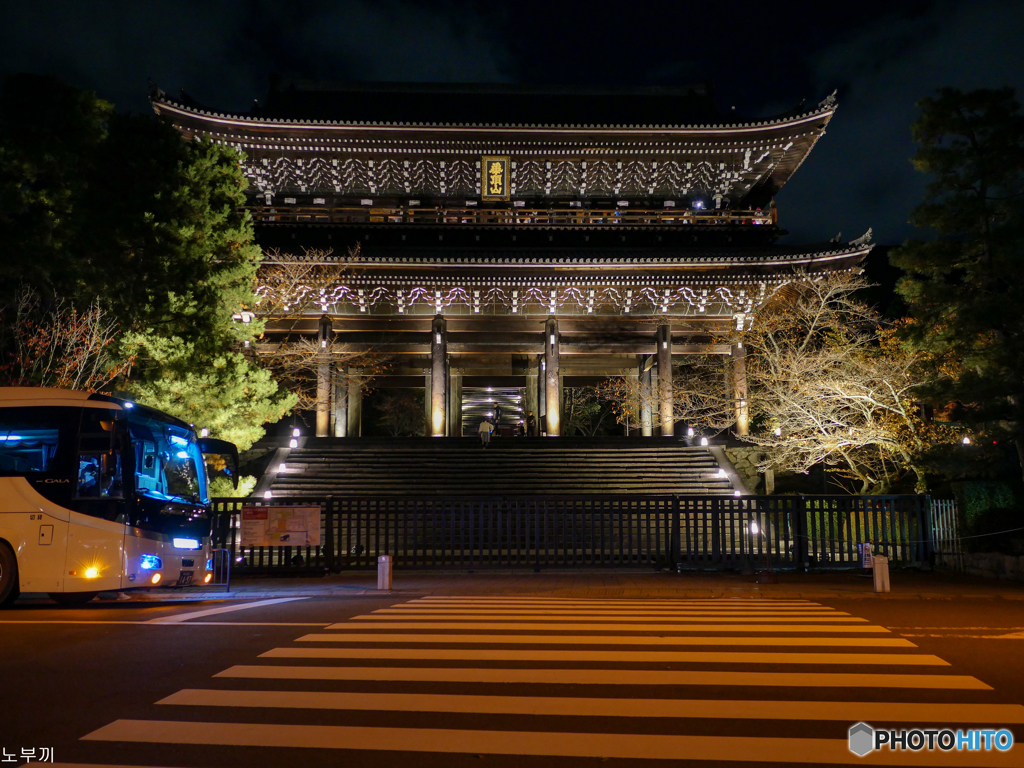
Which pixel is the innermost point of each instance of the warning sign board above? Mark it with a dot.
(281, 526)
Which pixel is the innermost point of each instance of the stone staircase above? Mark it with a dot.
(510, 466)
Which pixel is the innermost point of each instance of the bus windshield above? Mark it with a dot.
(168, 463)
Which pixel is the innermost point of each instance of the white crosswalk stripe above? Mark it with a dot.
(649, 660)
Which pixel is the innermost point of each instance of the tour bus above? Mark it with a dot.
(100, 494)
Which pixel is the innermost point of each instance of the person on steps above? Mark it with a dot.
(485, 432)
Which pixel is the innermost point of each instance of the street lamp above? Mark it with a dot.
(768, 576)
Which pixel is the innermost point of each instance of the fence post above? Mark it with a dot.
(329, 554)
(675, 558)
(927, 525)
(801, 557)
(716, 531)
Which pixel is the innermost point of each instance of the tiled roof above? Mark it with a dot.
(645, 111)
(613, 257)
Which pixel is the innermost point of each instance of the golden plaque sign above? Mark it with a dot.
(495, 178)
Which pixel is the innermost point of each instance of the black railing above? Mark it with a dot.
(657, 531)
(511, 217)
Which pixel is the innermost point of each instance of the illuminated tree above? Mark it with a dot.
(52, 344)
(964, 286)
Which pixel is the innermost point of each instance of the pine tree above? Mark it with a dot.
(120, 209)
(964, 287)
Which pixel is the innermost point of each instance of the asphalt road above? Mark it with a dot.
(502, 681)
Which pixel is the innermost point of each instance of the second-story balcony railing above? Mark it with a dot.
(511, 217)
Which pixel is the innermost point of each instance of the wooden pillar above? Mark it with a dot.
(643, 367)
(530, 397)
(552, 380)
(438, 377)
(355, 404)
(666, 404)
(628, 423)
(455, 404)
(426, 402)
(739, 388)
(542, 404)
(340, 403)
(323, 379)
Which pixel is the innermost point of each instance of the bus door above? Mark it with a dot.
(96, 530)
(37, 446)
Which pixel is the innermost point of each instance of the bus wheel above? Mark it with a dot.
(72, 599)
(9, 589)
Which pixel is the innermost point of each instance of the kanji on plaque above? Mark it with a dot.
(495, 181)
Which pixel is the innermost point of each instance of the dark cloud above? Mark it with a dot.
(882, 56)
(223, 51)
(860, 174)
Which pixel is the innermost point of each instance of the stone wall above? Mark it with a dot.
(994, 566)
(745, 461)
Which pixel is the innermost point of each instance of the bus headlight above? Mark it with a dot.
(151, 563)
(186, 544)
(208, 578)
(92, 573)
(155, 579)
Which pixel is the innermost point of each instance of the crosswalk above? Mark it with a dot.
(720, 680)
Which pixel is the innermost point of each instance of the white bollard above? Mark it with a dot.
(881, 573)
(384, 572)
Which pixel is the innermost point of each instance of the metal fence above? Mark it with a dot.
(946, 534)
(657, 531)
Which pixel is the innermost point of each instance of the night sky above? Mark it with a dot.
(761, 58)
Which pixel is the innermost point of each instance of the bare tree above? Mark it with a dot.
(831, 386)
(701, 395)
(401, 414)
(294, 286)
(624, 396)
(290, 289)
(53, 344)
(299, 364)
(586, 412)
(827, 384)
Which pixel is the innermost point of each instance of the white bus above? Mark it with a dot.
(99, 494)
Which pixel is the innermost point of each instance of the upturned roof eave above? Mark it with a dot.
(824, 110)
(702, 264)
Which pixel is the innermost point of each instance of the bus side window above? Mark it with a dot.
(100, 476)
(100, 488)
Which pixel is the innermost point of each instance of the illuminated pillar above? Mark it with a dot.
(643, 367)
(340, 403)
(454, 404)
(552, 381)
(427, 410)
(323, 379)
(438, 377)
(542, 409)
(739, 388)
(355, 403)
(666, 406)
(531, 398)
